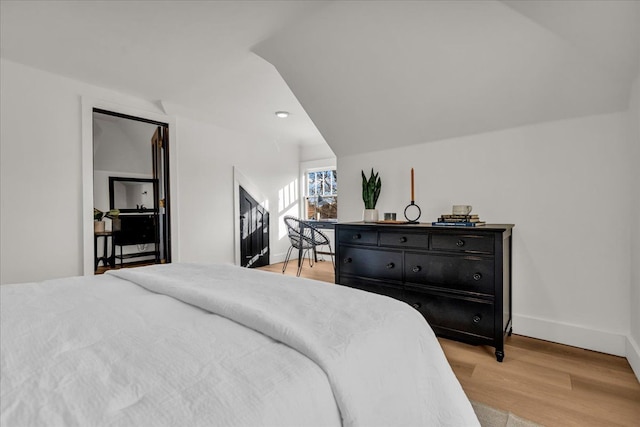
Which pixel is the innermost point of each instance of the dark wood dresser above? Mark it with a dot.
(459, 278)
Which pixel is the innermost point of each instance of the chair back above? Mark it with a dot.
(303, 235)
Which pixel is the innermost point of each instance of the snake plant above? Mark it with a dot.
(370, 190)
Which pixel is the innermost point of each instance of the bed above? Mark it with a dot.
(218, 345)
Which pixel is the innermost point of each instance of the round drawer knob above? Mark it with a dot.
(416, 305)
(477, 318)
(416, 269)
(356, 236)
(460, 243)
(477, 276)
(390, 265)
(347, 260)
(403, 239)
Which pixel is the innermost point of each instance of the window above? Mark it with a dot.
(322, 194)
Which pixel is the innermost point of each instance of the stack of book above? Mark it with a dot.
(459, 220)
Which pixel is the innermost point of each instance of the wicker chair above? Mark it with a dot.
(305, 238)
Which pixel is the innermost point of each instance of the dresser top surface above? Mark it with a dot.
(425, 225)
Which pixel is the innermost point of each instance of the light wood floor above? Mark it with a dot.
(551, 384)
(102, 269)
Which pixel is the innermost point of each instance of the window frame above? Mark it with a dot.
(306, 193)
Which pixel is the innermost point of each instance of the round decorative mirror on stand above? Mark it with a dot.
(412, 212)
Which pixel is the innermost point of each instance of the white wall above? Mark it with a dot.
(633, 350)
(207, 155)
(41, 212)
(566, 187)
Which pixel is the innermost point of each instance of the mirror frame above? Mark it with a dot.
(114, 179)
(131, 107)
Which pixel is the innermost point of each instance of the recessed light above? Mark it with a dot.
(282, 114)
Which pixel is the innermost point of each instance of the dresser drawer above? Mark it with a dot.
(460, 315)
(462, 242)
(372, 263)
(404, 240)
(463, 273)
(373, 286)
(357, 237)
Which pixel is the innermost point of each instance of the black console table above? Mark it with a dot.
(458, 278)
(137, 230)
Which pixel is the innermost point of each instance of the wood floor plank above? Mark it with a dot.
(462, 369)
(625, 392)
(545, 382)
(607, 371)
(524, 372)
(567, 352)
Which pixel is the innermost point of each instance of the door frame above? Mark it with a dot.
(239, 179)
(88, 104)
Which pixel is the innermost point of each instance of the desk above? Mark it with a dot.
(329, 224)
(105, 258)
(322, 225)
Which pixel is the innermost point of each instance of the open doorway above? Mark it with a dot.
(130, 191)
(254, 232)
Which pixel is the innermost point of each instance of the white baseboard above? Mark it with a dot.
(573, 335)
(633, 355)
(276, 258)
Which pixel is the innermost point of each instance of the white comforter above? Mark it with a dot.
(279, 351)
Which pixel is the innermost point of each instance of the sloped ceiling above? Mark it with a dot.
(369, 74)
(192, 57)
(382, 74)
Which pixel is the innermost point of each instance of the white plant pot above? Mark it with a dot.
(98, 226)
(370, 215)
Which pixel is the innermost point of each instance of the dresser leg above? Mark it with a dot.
(499, 355)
